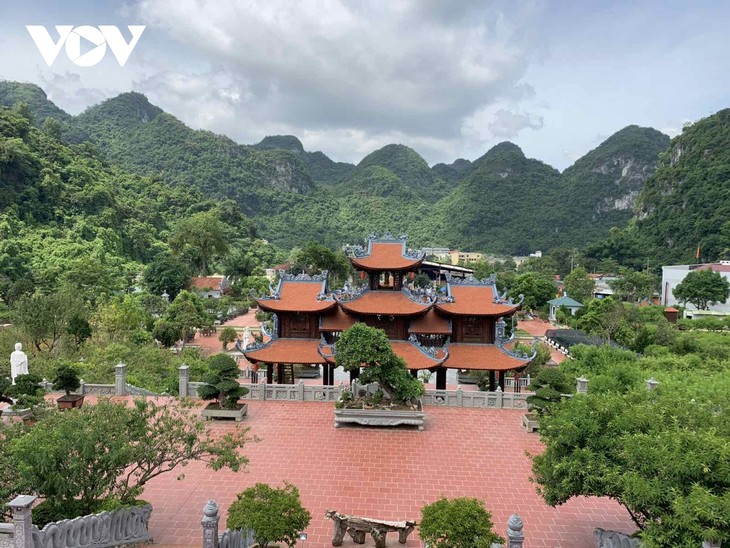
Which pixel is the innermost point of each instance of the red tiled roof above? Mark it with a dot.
(483, 357)
(415, 359)
(287, 351)
(392, 303)
(475, 300)
(297, 296)
(206, 282)
(337, 320)
(430, 323)
(386, 256)
(715, 267)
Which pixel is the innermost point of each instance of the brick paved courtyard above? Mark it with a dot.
(382, 473)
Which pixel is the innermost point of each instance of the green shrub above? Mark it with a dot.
(274, 515)
(457, 523)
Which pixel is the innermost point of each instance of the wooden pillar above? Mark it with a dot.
(291, 368)
(280, 373)
(517, 382)
(501, 380)
(374, 279)
(325, 374)
(492, 381)
(332, 374)
(269, 373)
(397, 281)
(354, 374)
(441, 378)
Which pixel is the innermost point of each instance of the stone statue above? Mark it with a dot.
(18, 362)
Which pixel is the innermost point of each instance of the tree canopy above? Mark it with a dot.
(703, 288)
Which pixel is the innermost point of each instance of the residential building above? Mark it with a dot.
(673, 275)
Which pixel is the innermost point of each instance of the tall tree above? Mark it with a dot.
(703, 288)
(579, 285)
(166, 273)
(199, 238)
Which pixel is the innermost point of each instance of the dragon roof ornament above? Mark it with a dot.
(492, 280)
(422, 295)
(275, 292)
(273, 335)
(429, 351)
(347, 294)
(359, 251)
(517, 353)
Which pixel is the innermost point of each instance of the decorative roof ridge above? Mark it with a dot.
(347, 294)
(275, 293)
(273, 335)
(430, 352)
(359, 252)
(321, 349)
(516, 353)
(418, 295)
(483, 282)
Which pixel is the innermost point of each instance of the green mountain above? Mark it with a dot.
(601, 188)
(505, 204)
(686, 203)
(68, 216)
(502, 202)
(320, 167)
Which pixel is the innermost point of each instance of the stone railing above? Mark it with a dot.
(614, 539)
(118, 528)
(119, 388)
(280, 392)
(461, 398)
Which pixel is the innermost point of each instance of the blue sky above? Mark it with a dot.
(450, 79)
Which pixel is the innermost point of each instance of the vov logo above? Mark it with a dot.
(99, 37)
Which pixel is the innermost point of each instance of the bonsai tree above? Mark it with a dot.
(274, 515)
(549, 385)
(221, 382)
(26, 391)
(457, 523)
(364, 346)
(227, 336)
(67, 379)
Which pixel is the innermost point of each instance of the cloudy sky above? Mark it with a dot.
(448, 78)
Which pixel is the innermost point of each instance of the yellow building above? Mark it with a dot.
(465, 257)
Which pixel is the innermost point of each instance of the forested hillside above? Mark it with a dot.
(502, 202)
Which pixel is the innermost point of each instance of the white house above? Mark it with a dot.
(673, 275)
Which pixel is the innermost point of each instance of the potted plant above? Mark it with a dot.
(221, 385)
(25, 393)
(67, 379)
(548, 386)
(393, 396)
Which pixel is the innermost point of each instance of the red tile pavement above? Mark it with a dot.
(537, 328)
(382, 473)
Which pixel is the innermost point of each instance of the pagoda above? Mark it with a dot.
(460, 327)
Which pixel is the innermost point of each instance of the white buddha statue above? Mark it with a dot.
(18, 362)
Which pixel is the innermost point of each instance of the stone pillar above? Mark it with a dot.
(210, 524)
(498, 391)
(82, 387)
(22, 520)
(120, 384)
(459, 396)
(300, 390)
(262, 389)
(515, 537)
(581, 386)
(652, 383)
(183, 376)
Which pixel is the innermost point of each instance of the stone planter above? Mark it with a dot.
(70, 402)
(381, 417)
(465, 377)
(22, 413)
(530, 422)
(213, 411)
